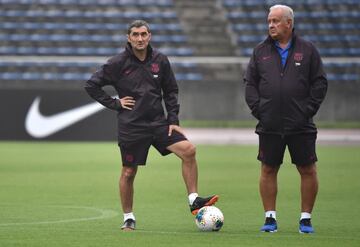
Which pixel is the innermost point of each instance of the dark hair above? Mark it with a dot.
(138, 23)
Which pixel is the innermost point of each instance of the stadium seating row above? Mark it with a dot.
(74, 71)
(295, 3)
(86, 28)
(82, 26)
(313, 38)
(89, 14)
(332, 25)
(75, 76)
(92, 2)
(81, 71)
(325, 52)
(301, 26)
(299, 15)
(83, 51)
(97, 28)
(175, 38)
(88, 38)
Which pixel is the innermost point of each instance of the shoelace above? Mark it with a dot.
(270, 221)
(305, 222)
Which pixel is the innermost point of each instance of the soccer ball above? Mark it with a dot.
(209, 218)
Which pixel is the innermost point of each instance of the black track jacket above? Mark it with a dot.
(148, 82)
(285, 99)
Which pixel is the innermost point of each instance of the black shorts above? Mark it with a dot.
(135, 152)
(301, 148)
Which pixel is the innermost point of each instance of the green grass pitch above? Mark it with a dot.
(66, 194)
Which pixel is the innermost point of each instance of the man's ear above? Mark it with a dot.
(128, 37)
(290, 23)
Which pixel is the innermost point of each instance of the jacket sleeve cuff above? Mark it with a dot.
(173, 122)
(310, 111)
(118, 106)
(255, 113)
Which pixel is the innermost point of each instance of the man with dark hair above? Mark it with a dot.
(285, 85)
(143, 77)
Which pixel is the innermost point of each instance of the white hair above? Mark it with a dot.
(288, 13)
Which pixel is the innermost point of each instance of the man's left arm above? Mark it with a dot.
(170, 94)
(318, 84)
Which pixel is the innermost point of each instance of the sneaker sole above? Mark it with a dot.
(269, 231)
(127, 229)
(305, 232)
(209, 203)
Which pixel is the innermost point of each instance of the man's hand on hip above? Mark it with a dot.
(127, 102)
(176, 128)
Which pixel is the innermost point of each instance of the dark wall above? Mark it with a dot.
(225, 101)
(14, 106)
(199, 101)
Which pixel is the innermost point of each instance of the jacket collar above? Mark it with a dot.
(130, 51)
(293, 38)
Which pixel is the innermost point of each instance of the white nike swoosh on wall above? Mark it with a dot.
(40, 126)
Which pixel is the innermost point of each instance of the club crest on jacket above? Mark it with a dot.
(155, 68)
(298, 57)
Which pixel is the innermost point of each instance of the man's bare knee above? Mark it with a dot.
(189, 152)
(309, 170)
(128, 173)
(268, 170)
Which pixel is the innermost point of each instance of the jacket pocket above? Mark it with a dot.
(298, 112)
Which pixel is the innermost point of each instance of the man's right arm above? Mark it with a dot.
(94, 86)
(251, 79)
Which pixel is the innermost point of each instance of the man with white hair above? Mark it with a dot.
(285, 85)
